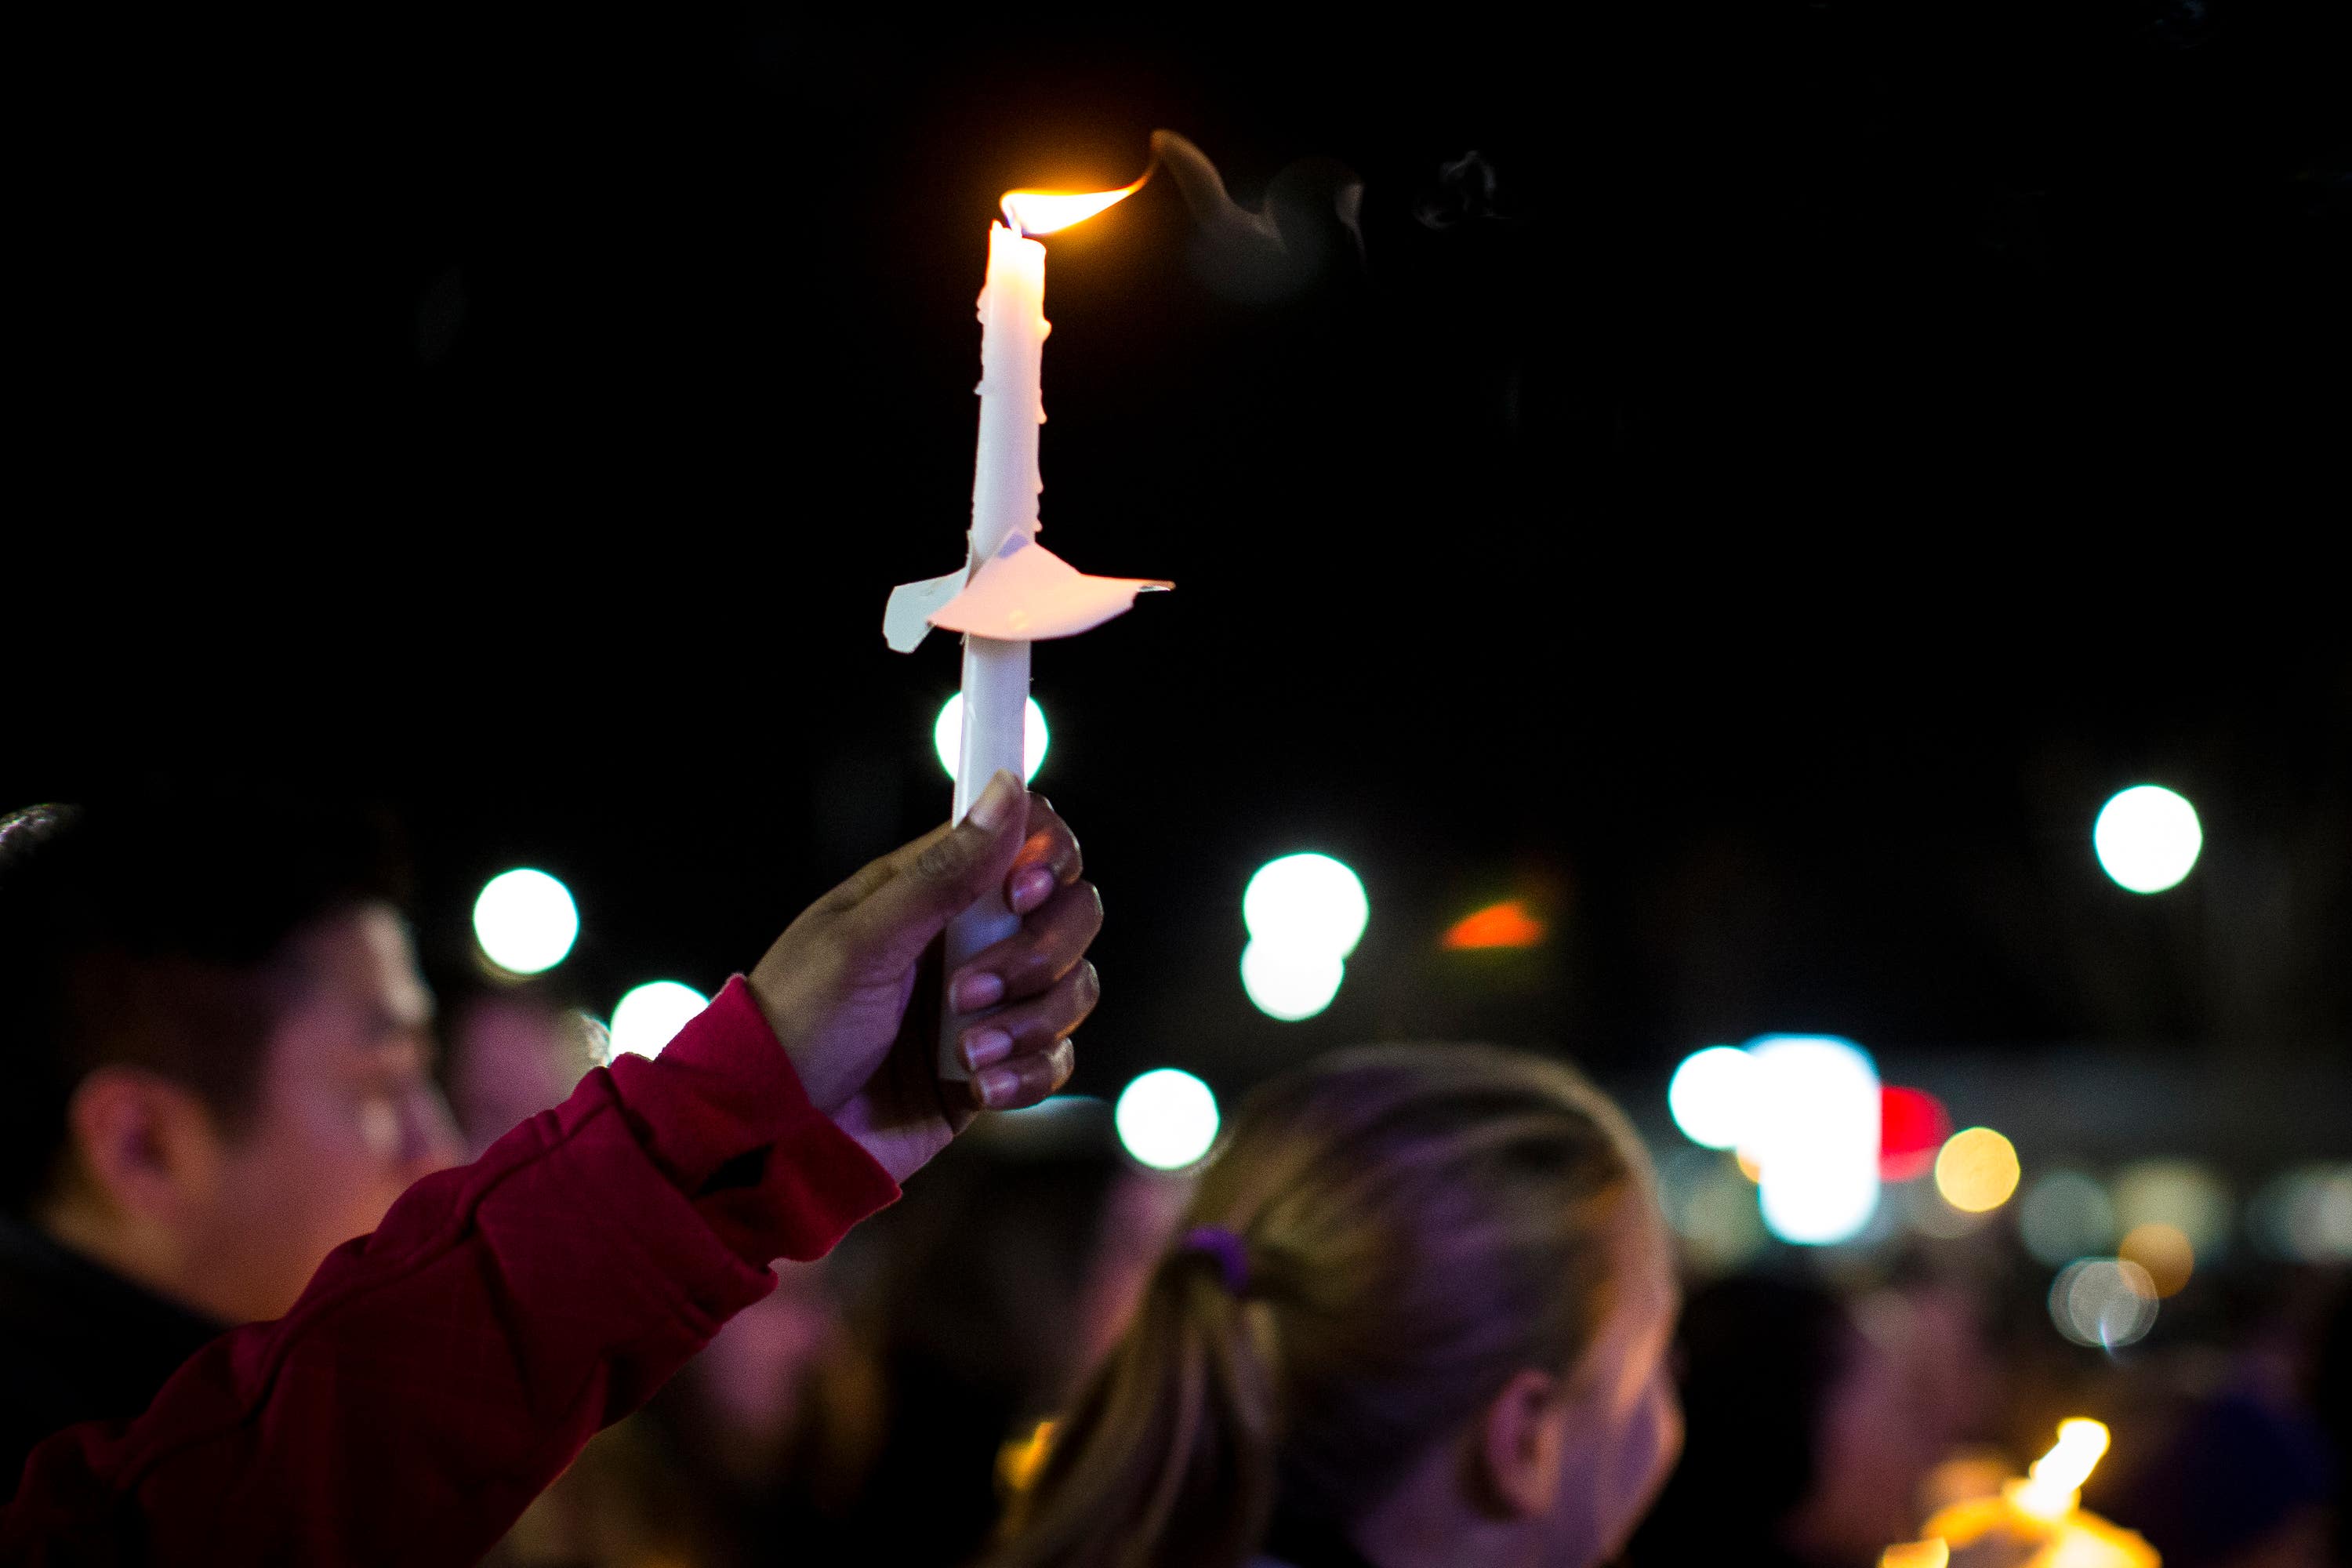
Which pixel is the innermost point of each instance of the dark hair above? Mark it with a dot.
(144, 932)
(1759, 1357)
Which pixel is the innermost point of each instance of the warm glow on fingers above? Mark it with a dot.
(1042, 212)
(1932, 1552)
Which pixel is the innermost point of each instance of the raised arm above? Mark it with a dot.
(435, 1375)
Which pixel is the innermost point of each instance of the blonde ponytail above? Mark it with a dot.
(1168, 1456)
(1412, 1225)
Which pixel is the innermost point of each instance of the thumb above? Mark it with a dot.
(915, 890)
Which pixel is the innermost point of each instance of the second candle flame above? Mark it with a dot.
(1042, 212)
(2060, 1472)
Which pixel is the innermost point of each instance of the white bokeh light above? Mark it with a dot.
(1712, 1207)
(649, 1017)
(2147, 838)
(525, 921)
(2102, 1302)
(1713, 1096)
(2306, 1214)
(1167, 1119)
(1290, 983)
(947, 737)
(1310, 903)
(1815, 1137)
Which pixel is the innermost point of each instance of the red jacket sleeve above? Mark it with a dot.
(437, 1374)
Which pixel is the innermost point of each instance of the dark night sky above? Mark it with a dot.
(1841, 453)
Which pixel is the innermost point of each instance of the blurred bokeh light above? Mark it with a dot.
(1504, 925)
(2180, 1193)
(2103, 1302)
(1712, 1207)
(1977, 1170)
(1290, 983)
(525, 921)
(1167, 1119)
(2163, 1252)
(1304, 914)
(947, 737)
(2147, 838)
(1815, 1137)
(1911, 1126)
(1307, 900)
(649, 1017)
(1712, 1096)
(2065, 1215)
(2306, 1214)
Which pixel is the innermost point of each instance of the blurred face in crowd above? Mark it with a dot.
(233, 1219)
(514, 1057)
(1877, 1442)
(754, 1370)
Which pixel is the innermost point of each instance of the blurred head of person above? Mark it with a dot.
(513, 1053)
(1805, 1441)
(756, 1368)
(1419, 1314)
(864, 1410)
(218, 1047)
(2229, 1480)
(1140, 1214)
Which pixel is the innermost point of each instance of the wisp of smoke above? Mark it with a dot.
(1466, 192)
(1311, 217)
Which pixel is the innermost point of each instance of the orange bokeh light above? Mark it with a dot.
(1507, 924)
(2164, 1250)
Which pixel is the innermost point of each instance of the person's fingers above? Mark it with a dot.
(1026, 1081)
(893, 907)
(1049, 859)
(1049, 944)
(1027, 1027)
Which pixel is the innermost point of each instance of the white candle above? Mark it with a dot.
(1004, 488)
(1047, 597)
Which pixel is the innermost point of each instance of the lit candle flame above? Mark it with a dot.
(2049, 1493)
(1042, 212)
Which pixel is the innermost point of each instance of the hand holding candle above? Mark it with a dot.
(1010, 590)
(2035, 1522)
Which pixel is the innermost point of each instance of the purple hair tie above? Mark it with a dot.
(1232, 1257)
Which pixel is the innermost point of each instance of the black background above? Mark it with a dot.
(1845, 449)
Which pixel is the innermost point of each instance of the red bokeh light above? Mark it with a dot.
(1911, 1126)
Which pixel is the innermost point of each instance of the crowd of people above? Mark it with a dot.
(282, 1284)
